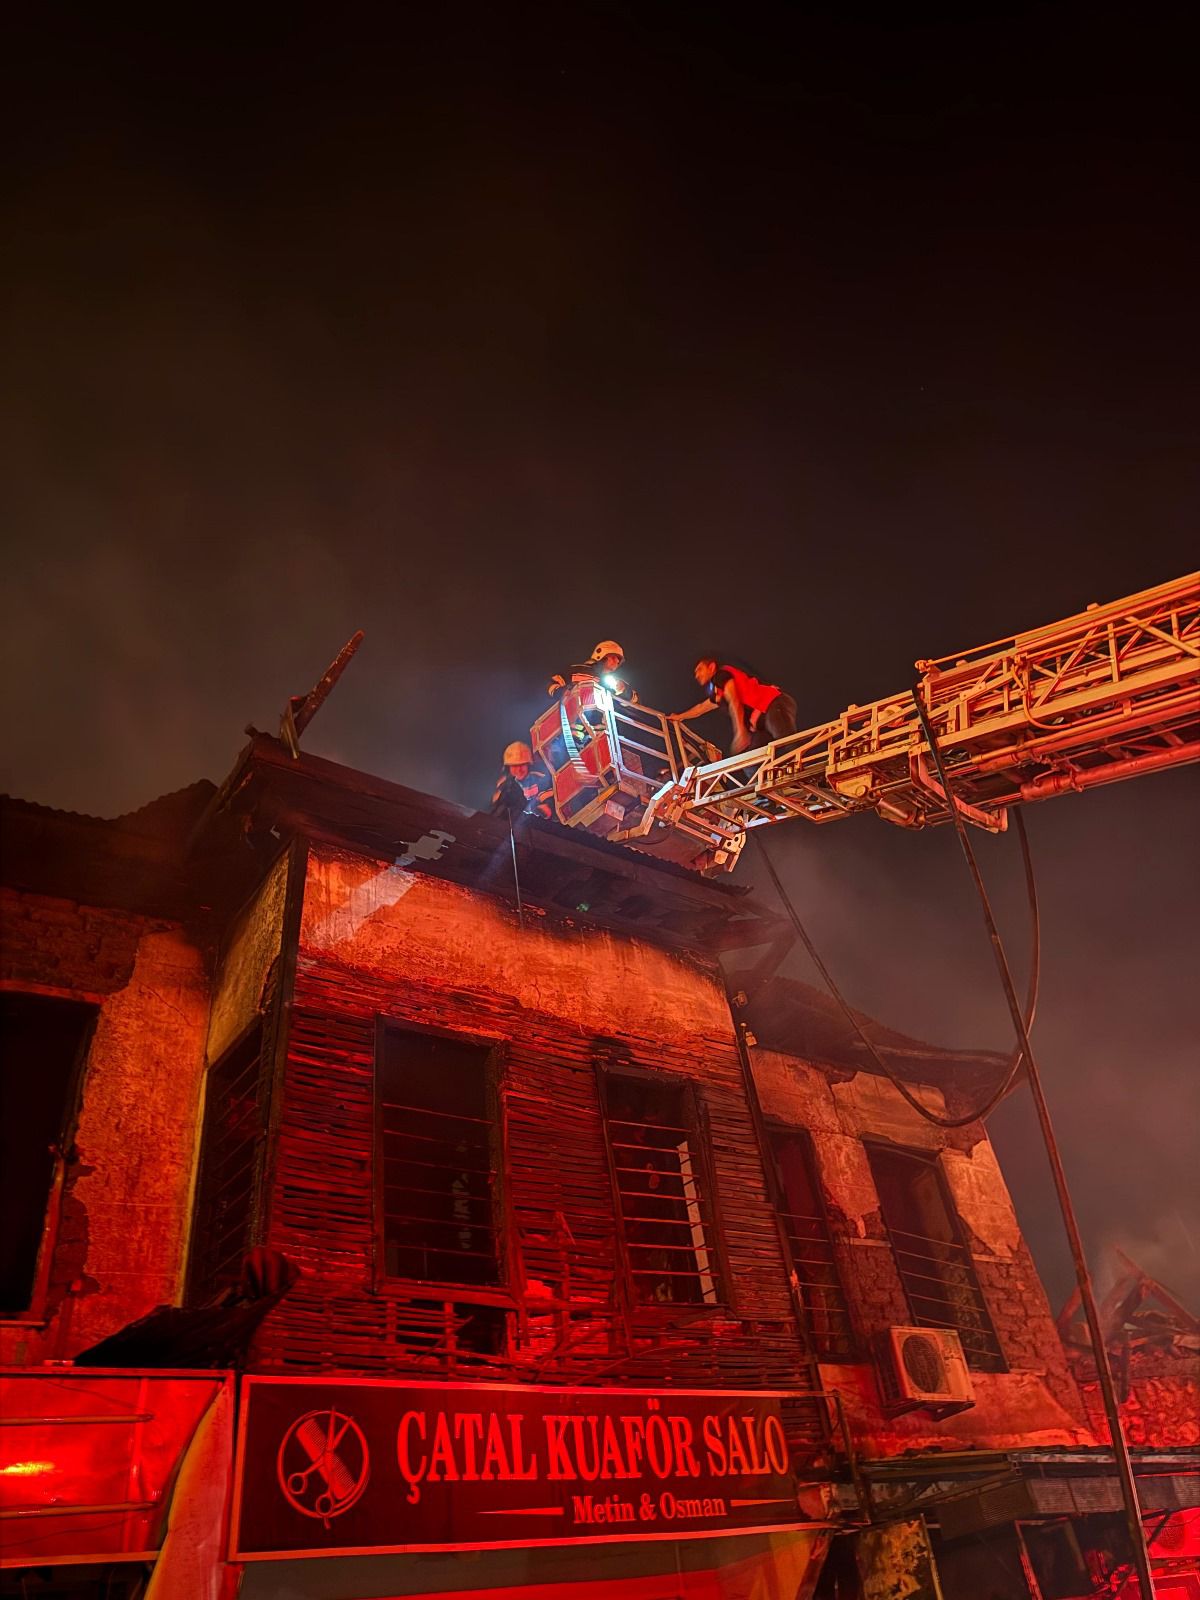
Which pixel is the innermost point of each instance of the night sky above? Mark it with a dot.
(494, 331)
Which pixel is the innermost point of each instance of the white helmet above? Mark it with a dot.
(516, 753)
(607, 647)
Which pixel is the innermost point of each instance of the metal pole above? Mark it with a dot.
(1120, 1446)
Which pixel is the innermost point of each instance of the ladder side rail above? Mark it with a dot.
(1137, 669)
(1106, 694)
(1099, 722)
(1163, 596)
(1114, 653)
(1118, 679)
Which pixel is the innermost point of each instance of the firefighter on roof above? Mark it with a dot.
(759, 712)
(605, 663)
(523, 788)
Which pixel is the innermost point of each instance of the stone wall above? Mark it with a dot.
(1034, 1402)
(53, 945)
(1160, 1398)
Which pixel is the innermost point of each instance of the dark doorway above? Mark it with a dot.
(43, 1042)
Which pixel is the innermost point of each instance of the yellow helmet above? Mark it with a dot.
(607, 647)
(516, 753)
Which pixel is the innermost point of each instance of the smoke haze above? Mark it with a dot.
(828, 345)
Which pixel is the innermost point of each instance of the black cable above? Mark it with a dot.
(1112, 1410)
(512, 839)
(1035, 963)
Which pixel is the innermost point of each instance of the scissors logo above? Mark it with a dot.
(323, 1464)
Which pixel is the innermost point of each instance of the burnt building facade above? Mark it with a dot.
(972, 1417)
(401, 1208)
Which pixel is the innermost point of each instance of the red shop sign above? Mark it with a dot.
(347, 1465)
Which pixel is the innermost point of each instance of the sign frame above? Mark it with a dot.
(158, 1405)
(603, 1534)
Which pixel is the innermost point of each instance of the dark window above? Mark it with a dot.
(437, 1159)
(1080, 1557)
(1057, 1560)
(934, 1263)
(807, 1230)
(988, 1564)
(95, 1581)
(652, 1130)
(230, 1147)
(42, 1045)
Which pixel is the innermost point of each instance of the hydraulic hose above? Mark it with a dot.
(1035, 952)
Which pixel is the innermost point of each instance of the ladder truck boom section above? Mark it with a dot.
(1099, 697)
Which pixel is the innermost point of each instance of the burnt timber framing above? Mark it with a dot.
(564, 1307)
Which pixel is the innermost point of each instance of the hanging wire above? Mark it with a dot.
(1087, 1299)
(1120, 1445)
(1035, 962)
(512, 839)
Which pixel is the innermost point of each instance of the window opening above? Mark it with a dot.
(934, 1263)
(660, 1179)
(230, 1142)
(811, 1246)
(437, 1159)
(43, 1042)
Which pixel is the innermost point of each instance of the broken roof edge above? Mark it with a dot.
(131, 863)
(263, 745)
(148, 821)
(563, 870)
(795, 1019)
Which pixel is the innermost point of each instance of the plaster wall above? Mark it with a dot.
(118, 1248)
(378, 919)
(247, 960)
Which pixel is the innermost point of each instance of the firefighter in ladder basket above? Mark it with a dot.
(602, 669)
(759, 712)
(523, 788)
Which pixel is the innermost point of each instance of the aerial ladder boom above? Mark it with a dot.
(1108, 694)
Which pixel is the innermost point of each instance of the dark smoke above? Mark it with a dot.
(496, 335)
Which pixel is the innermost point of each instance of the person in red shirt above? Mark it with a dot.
(760, 712)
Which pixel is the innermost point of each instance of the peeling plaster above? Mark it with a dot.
(982, 1200)
(794, 1090)
(429, 847)
(845, 1174)
(1012, 1411)
(867, 1103)
(136, 1136)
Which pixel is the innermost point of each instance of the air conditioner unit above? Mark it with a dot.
(923, 1367)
